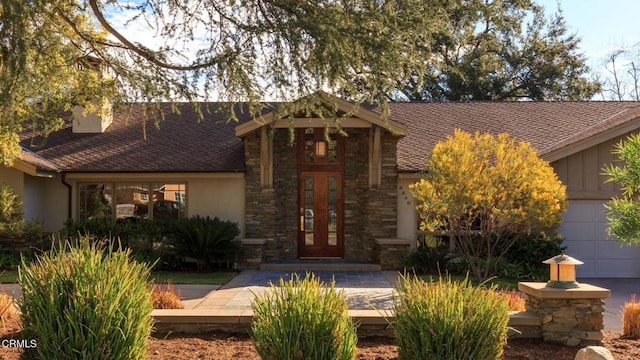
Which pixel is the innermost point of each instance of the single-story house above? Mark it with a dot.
(303, 196)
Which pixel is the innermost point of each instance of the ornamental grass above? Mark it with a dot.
(165, 296)
(7, 307)
(303, 319)
(449, 320)
(631, 318)
(86, 302)
(514, 299)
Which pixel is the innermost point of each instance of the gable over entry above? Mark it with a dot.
(321, 186)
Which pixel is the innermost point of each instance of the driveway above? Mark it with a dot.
(621, 291)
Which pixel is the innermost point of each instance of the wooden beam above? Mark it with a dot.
(320, 123)
(266, 158)
(364, 117)
(375, 157)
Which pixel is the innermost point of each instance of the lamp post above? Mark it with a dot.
(563, 271)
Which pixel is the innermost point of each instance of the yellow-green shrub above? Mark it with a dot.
(84, 302)
(486, 191)
(449, 320)
(303, 319)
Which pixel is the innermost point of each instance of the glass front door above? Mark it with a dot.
(320, 225)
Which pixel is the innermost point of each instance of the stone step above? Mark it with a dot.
(304, 266)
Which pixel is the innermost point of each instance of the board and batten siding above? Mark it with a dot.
(582, 172)
(584, 225)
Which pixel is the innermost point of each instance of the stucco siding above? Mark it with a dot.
(224, 198)
(34, 199)
(45, 199)
(407, 215)
(56, 204)
(13, 178)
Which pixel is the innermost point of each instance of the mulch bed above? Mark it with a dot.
(239, 347)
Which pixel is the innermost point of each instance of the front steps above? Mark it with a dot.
(320, 265)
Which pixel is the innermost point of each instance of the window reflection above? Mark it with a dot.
(128, 200)
(332, 211)
(169, 201)
(132, 201)
(308, 212)
(95, 201)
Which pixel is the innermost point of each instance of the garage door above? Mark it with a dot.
(584, 229)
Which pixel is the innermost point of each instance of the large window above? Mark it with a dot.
(132, 200)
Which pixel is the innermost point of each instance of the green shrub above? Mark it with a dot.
(303, 319)
(84, 302)
(430, 256)
(534, 249)
(138, 234)
(12, 222)
(449, 320)
(206, 240)
(10, 205)
(145, 237)
(12, 260)
(523, 260)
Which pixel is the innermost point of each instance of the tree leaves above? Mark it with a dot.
(481, 188)
(501, 50)
(623, 213)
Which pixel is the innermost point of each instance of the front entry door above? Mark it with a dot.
(320, 214)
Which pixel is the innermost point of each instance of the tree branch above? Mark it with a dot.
(149, 56)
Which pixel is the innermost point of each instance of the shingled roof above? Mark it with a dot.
(180, 144)
(548, 126)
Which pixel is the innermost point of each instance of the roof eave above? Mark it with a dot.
(628, 122)
(393, 127)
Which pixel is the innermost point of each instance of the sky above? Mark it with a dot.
(603, 25)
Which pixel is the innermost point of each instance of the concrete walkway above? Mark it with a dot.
(364, 290)
(370, 292)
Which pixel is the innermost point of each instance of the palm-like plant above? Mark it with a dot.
(204, 239)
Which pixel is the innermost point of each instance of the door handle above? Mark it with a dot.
(301, 219)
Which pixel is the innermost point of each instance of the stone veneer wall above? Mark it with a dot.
(573, 317)
(569, 322)
(271, 211)
(369, 213)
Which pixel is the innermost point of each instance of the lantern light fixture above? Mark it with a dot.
(321, 148)
(563, 271)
